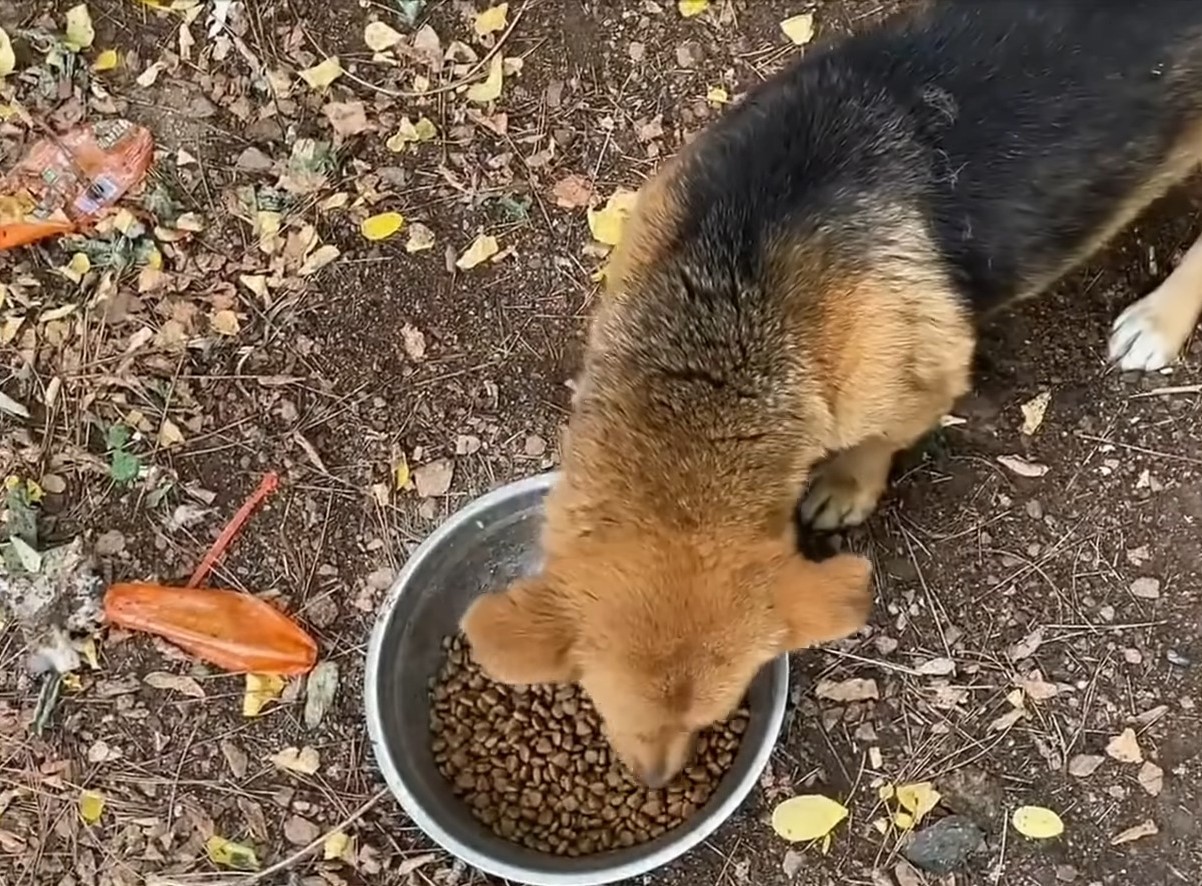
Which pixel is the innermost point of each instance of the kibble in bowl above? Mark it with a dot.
(486, 545)
(532, 763)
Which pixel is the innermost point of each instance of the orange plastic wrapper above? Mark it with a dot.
(64, 183)
(232, 630)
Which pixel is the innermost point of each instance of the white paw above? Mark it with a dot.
(1138, 342)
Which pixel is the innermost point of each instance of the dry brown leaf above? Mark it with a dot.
(1124, 747)
(180, 683)
(224, 322)
(1027, 646)
(346, 118)
(305, 761)
(1036, 687)
(1019, 465)
(414, 341)
(1085, 765)
(572, 191)
(1151, 778)
(855, 689)
(481, 250)
(1146, 828)
(318, 259)
(1033, 412)
(434, 478)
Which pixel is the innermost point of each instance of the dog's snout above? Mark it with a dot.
(655, 776)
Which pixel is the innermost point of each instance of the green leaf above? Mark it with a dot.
(124, 467)
(117, 436)
(228, 854)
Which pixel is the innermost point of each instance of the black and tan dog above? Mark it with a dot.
(796, 300)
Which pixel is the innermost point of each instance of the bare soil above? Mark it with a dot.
(973, 561)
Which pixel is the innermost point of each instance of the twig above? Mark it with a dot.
(268, 485)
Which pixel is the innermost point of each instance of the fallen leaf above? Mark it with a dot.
(76, 268)
(318, 259)
(170, 434)
(1027, 646)
(489, 90)
(380, 37)
(228, 854)
(79, 32)
(320, 76)
(409, 865)
(180, 683)
(937, 667)
(799, 28)
(1037, 823)
(1146, 588)
(855, 689)
(1124, 747)
(1036, 687)
(717, 95)
(260, 689)
(917, 799)
(382, 226)
(106, 61)
(305, 761)
(335, 846)
(408, 133)
(572, 191)
(482, 248)
(492, 19)
(300, 831)
(346, 118)
(808, 817)
(691, 8)
(91, 806)
(1085, 765)
(148, 77)
(1146, 828)
(1033, 412)
(606, 224)
(235, 758)
(433, 479)
(320, 688)
(420, 238)
(256, 283)
(224, 322)
(8, 58)
(400, 471)
(1151, 778)
(1021, 466)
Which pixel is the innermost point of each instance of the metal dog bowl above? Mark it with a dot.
(481, 548)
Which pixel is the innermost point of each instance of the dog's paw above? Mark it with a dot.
(1140, 340)
(838, 499)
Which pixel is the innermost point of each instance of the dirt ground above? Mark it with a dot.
(1022, 622)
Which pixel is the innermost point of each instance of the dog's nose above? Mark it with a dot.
(655, 776)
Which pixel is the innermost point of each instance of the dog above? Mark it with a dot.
(796, 299)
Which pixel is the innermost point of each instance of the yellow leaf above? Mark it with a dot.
(717, 95)
(918, 799)
(482, 249)
(320, 76)
(1037, 822)
(335, 846)
(1033, 412)
(490, 89)
(91, 806)
(808, 817)
(420, 238)
(690, 8)
(256, 283)
(106, 61)
(228, 854)
(606, 224)
(382, 226)
(87, 649)
(170, 434)
(400, 472)
(903, 821)
(8, 58)
(224, 322)
(492, 19)
(407, 131)
(799, 28)
(79, 32)
(379, 37)
(425, 129)
(75, 269)
(260, 689)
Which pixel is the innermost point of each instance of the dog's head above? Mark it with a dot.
(664, 636)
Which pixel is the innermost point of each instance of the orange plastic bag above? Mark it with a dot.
(63, 183)
(232, 630)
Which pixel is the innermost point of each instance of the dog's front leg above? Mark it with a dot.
(1151, 332)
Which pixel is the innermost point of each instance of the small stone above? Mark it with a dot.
(946, 845)
(1146, 588)
(109, 543)
(253, 160)
(300, 831)
(792, 864)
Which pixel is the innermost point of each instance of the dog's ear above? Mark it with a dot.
(823, 601)
(520, 635)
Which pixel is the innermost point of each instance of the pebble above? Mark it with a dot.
(946, 845)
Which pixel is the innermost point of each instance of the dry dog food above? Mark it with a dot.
(533, 765)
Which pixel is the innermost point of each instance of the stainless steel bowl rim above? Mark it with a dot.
(714, 817)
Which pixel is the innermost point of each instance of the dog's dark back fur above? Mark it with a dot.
(1017, 123)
